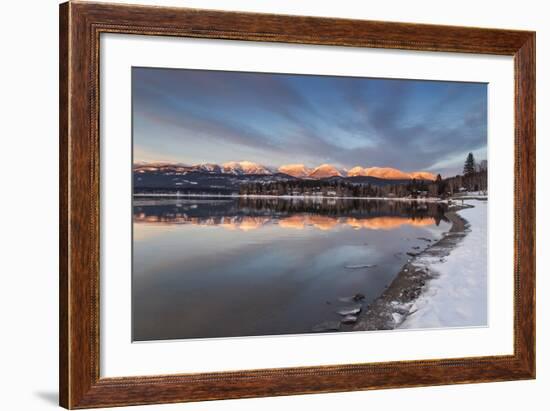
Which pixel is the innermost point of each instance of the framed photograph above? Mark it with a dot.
(258, 205)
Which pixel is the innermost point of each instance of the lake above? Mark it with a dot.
(227, 267)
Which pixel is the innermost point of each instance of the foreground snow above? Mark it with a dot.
(458, 296)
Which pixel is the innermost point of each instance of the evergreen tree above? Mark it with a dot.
(469, 165)
(440, 185)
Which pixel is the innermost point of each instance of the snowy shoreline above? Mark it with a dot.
(457, 297)
(445, 285)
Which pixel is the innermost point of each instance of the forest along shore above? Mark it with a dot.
(412, 301)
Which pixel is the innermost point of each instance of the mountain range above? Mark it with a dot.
(230, 177)
(242, 168)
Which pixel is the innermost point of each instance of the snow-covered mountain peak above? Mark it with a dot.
(389, 173)
(207, 167)
(325, 171)
(357, 171)
(295, 170)
(244, 167)
(423, 175)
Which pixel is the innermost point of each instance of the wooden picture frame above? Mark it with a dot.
(80, 27)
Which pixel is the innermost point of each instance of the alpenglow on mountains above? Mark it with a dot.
(293, 170)
(230, 177)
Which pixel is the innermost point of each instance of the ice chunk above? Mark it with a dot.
(350, 310)
(349, 319)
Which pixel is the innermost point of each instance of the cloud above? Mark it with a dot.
(406, 124)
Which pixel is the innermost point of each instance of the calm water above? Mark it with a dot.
(222, 267)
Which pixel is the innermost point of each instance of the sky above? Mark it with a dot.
(197, 116)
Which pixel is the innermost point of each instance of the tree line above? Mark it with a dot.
(473, 179)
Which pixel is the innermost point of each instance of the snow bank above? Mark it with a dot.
(458, 296)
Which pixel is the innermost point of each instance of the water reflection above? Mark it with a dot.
(295, 222)
(250, 214)
(222, 267)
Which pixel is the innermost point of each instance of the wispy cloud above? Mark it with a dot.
(196, 115)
